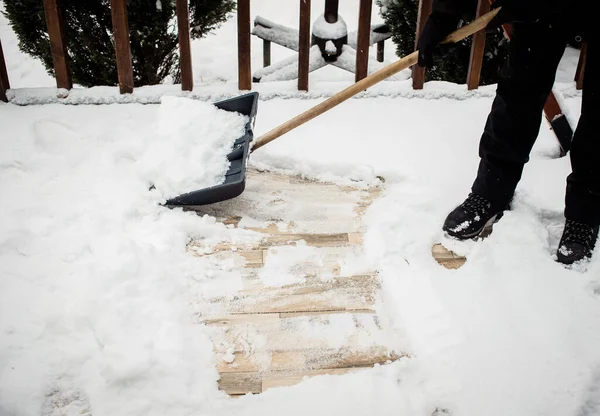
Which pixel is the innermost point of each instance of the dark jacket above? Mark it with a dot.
(571, 16)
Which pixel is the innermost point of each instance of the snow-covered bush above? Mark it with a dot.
(88, 29)
(453, 66)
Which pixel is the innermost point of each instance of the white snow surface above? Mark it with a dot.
(325, 30)
(187, 147)
(98, 296)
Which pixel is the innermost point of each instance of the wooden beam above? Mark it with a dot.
(477, 49)
(380, 50)
(304, 45)
(418, 73)
(185, 58)
(244, 61)
(122, 45)
(580, 73)
(4, 84)
(266, 53)
(331, 10)
(363, 39)
(58, 44)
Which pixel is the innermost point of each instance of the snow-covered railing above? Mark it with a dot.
(58, 46)
(329, 44)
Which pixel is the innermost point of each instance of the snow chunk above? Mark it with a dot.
(330, 48)
(189, 148)
(324, 30)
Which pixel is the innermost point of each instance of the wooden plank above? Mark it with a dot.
(285, 379)
(349, 358)
(418, 73)
(304, 45)
(122, 45)
(580, 73)
(447, 258)
(348, 293)
(313, 240)
(288, 239)
(308, 359)
(4, 83)
(363, 39)
(477, 49)
(241, 383)
(380, 50)
(185, 53)
(266, 53)
(331, 10)
(58, 44)
(274, 361)
(244, 58)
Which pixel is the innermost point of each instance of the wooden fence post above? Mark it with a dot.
(477, 49)
(380, 50)
(266, 53)
(185, 53)
(304, 45)
(58, 45)
(4, 84)
(122, 45)
(331, 10)
(580, 73)
(418, 73)
(363, 39)
(244, 61)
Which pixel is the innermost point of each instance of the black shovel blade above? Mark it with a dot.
(235, 178)
(564, 133)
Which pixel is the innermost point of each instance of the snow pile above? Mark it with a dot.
(189, 147)
(325, 30)
(94, 304)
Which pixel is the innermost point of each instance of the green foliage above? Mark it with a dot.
(452, 64)
(89, 35)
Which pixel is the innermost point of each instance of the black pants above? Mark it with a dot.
(514, 122)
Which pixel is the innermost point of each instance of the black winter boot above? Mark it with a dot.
(471, 218)
(577, 242)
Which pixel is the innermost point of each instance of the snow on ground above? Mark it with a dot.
(96, 284)
(95, 307)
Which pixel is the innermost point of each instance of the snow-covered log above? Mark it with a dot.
(375, 36)
(287, 69)
(279, 34)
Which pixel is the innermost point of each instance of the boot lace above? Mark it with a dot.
(476, 204)
(579, 233)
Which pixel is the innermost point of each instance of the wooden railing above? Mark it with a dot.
(55, 23)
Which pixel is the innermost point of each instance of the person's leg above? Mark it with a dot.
(512, 127)
(583, 185)
(582, 209)
(514, 121)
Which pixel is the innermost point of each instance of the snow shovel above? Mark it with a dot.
(235, 179)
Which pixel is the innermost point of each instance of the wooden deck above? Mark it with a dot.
(447, 258)
(323, 318)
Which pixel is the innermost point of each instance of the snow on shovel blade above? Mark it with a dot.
(235, 178)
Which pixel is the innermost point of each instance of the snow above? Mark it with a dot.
(323, 29)
(330, 48)
(99, 297)
(189, 145)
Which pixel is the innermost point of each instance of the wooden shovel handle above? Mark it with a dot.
(369, 81)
